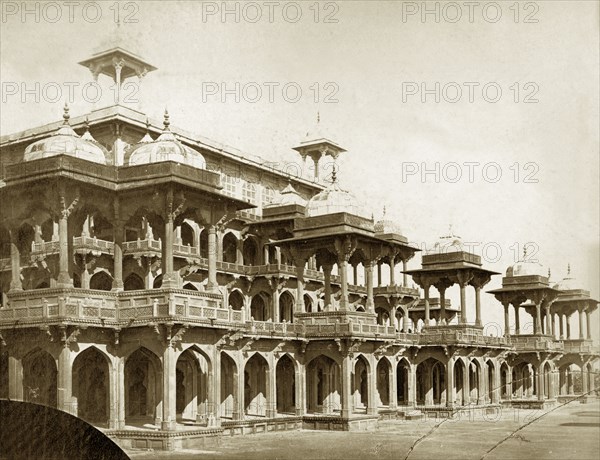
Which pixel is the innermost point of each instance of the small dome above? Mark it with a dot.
(568, 283)
(527, 268)
(288, 196)
(165, 148)
(333, 200)
(65, 141)
(385, 226)
(447, 243)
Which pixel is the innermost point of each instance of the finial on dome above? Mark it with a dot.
(147, 126)
(569, 269)
(166, 121)
(372, 217)
(318, 117)
(66, 115)
(524, 252)
(549, 273)
(384, 210)
(333, 175)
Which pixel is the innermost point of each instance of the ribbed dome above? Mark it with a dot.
(65, 141)
(333, 200)
(385, 226)
(568, 283)
(447, 243)
(288, 196)
(165, 148)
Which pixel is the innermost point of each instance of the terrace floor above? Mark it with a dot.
(568, 431)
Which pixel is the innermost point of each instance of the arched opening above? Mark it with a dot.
(285, 376)
(47, 229)
(286, 307)
(308, 304)
(383, 317)
(462, 395)
(143, 387)
(191, 402)
(43, 285)
(438, 383)
(323, 385)
(229, 380)
(157, 283)
(491, 387)
(101, 281)
(40, 378)
(250, 252)
(505, 382)
(204, 244)
(383, 382)
(255, 386)
(187, 235)
(547, 377)
(25, 236)
(258, 307)
(361, 384)
(431, 382)
(190, 287)
(91, 386)
(133, 282)
(402, 375)
(4, 375)
(230, 244)
(236, 300)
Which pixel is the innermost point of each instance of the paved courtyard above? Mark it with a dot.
(571, 431)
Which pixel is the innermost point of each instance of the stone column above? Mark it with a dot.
(517, 325)
(392, 271)
(393, 383)
(554, 326)
(404, 275)
(327, 288)
(271, 396)
(118, 228)
(239, 405)
(538, 318)
(371, 387)
(580, 310)
(406, 320)
(15, 263)
(355, 274)
(584, 379)
(169, 277)
(64, 279)
(450, 388)
(463, 304)
(346, 386)
(300, 308)
(275, 313)
(169, 388)
(15, 378)
(506, 319)
(426, 295)
(588, 324)
(369, 280)
(212, 285)
(412, 385)
(343, 269)
(467, 384)
(239, 253)
(64, 394)
(379, 283)
(548, 320)
(301, 392)
(477, 306)
(539, 383)
(214, 387)
(116, 383)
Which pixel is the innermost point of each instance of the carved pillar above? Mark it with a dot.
(371, 386)
(588, 324)
(118, 229)
(64, 395)
(506, 304)
(463, 304)
(478, 306)
(539, 382)
(169, 388)
(406, 320)
(355, 274)
(466, 387)
(450, 389)
(517, 325)
(15, 378)
(300, 262)
(239, 254)
(271, 396)
(369, 280)
(346, 386)
(343, 269)
(392, 384)
(327, 289)
(561, 325)
(211, 284)
(276, 293)
(580, 310)
(379, 281)
(64, 279)
(300, 388)
(553, 326)
(538, 318)
(404, 275)
(426, 295)
(392, 270)
(568, 317)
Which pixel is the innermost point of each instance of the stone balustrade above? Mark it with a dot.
(535, 342)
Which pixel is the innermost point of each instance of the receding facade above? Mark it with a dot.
(169, 290)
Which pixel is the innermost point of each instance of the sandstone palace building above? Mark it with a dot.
(168, 289)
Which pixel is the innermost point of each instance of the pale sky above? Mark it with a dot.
(368, 56)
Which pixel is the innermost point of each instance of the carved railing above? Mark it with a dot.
(45, 248)
(580, 346)
(147, 245)
(535, 342)
(92, 244)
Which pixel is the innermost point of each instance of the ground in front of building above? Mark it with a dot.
(569, 431)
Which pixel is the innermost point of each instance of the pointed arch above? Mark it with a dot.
(323, 385)
(143, 385)
(285, 385)
(101, 281)
(230, 248)
(133, 282)
(91, 369)
(236, 300)
(255, 385)
(286, 307)
(40, 378)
